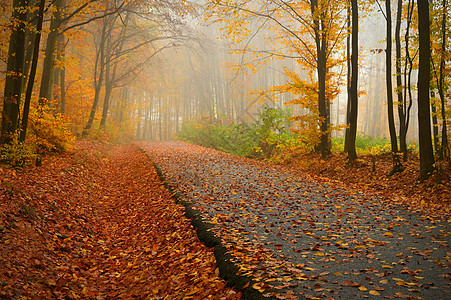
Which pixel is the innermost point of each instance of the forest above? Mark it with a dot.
(134, 129)
(157, 70)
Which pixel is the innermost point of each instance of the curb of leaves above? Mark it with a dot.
(227, 269)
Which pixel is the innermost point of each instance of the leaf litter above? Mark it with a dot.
(99, 224)
(301, 237)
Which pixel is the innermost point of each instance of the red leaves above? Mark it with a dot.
(99, 225)
(350, 283)
(432, 195)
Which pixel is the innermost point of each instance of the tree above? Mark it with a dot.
(352, 132)
(62, 15)
(444, 149)
(424, 116)
(440, 34)
(31, 77)
(126, 35)
(45, 90)
(397, 166)
(310, 33)
(14, 73)
(99, 71)
(321, 40)
(408, 68)
(399, 86)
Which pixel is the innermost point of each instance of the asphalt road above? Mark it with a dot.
(300, 237)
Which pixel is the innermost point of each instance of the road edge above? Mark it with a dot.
(227, 269)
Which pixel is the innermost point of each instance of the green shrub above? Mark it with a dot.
(262, 139)
(364, 144)
(17, 154)
(238, 139)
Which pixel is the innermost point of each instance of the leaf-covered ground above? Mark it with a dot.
(305, 237)
(98, 224)
(370, 173)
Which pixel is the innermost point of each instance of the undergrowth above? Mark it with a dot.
(264, 139)
(47, 133)
(269, 138)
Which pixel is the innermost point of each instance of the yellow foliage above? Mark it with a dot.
(49, 131)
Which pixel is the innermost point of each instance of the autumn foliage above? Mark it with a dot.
(98, 223)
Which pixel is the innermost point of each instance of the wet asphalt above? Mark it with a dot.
(305, 238)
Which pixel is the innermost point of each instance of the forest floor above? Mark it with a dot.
(433, 194)
(97, 223)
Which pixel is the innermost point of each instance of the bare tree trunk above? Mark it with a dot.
(424, 116)
(399, 85)
(160, 119)
(30, 35)
(444, 150)
(352, 154)
(407, 74)
(34, 65)
(109, 78)
(348, 81)
(100, 69)
(45, 92)
(63, 87)
(397, 166)
(14, 75)
(110, 75)
(435, 134)
(324, 110)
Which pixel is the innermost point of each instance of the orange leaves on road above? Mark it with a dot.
(99, 224)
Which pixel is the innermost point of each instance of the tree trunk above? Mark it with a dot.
(14, 73)
(407, 76)
(100, 69)
(109, 78)
(397, 166)
(424, 117)
(45, 92)
(352, 154)
(160, 119)
(30, 35)
(348, 80)
(323, 105)
(63, 87)
(435, 134)
(110, 75)
(399, 86)
(444, 150)
(122, 104)
(107, 97)
(34, 65)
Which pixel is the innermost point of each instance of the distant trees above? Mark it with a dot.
(307, 32)
(315, 26)
(122, 54)
(107, 56)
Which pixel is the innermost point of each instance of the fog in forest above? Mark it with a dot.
(198, 82)
(156, 70)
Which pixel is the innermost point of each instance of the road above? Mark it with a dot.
(305, 238)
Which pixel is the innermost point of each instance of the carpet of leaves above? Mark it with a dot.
(98, 224)
(302, 236)
(370, 173)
